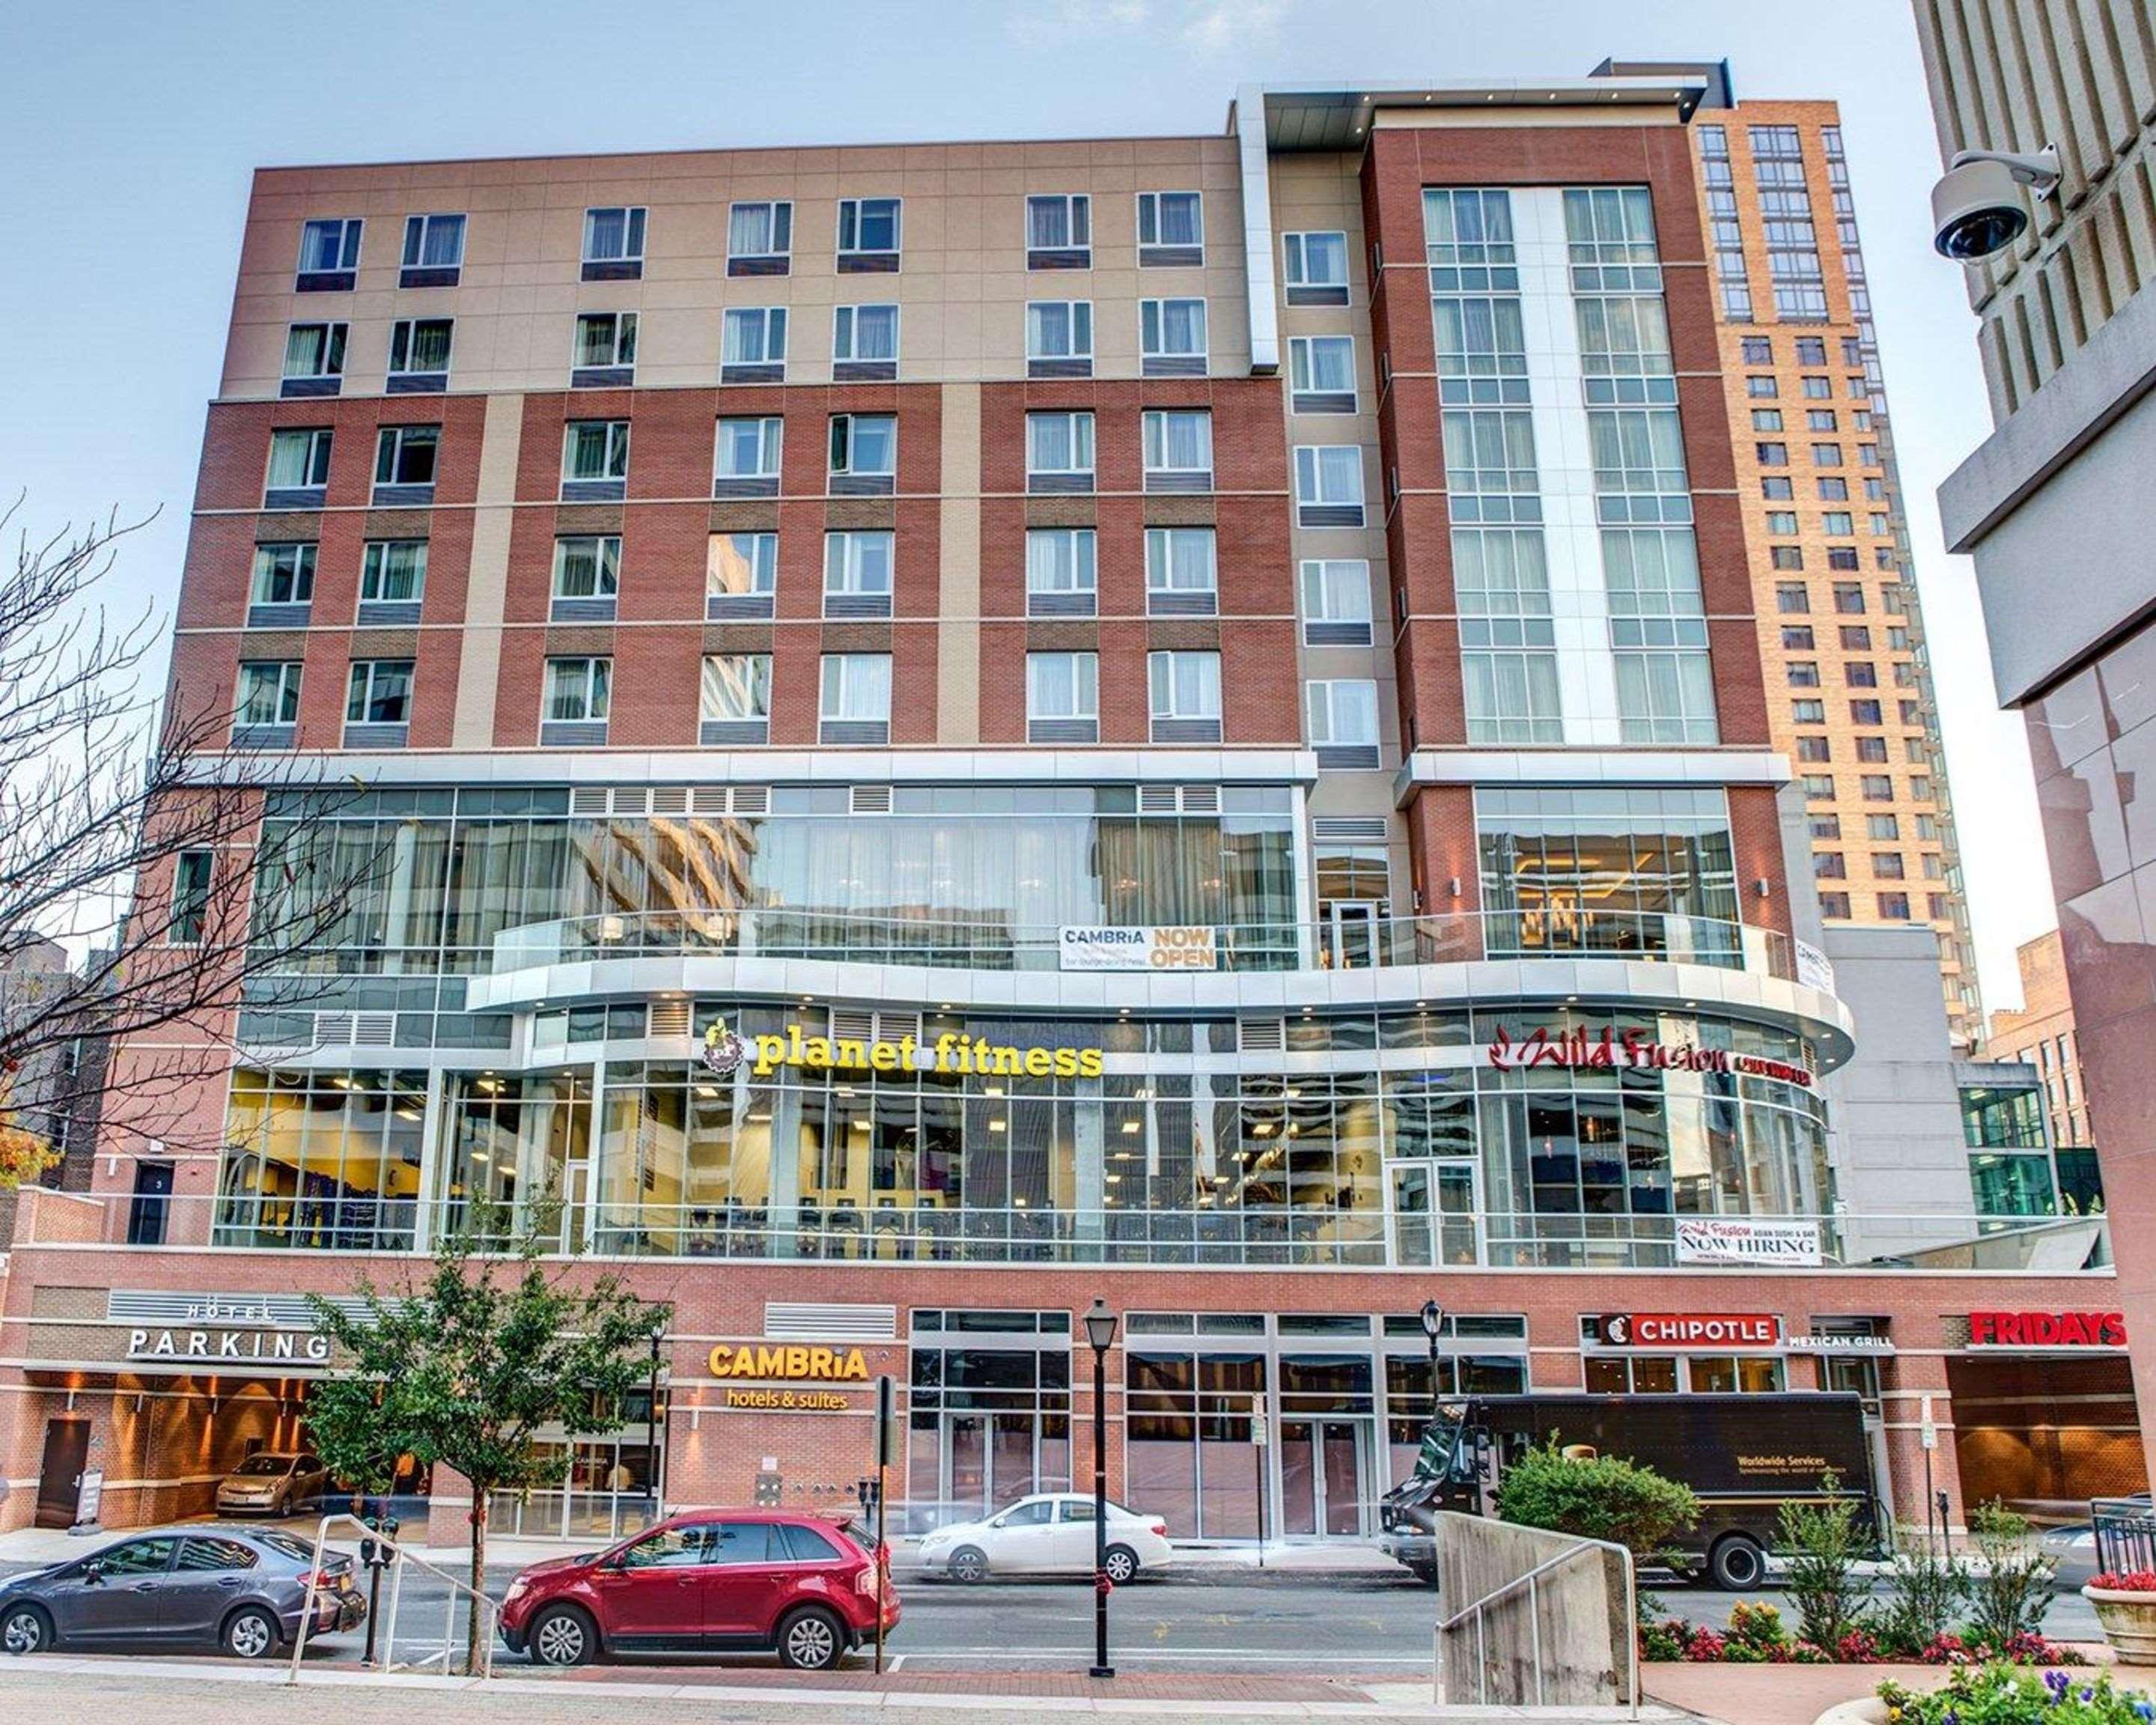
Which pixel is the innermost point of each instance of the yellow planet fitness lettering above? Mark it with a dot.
(952, 1052)
(788, 1360)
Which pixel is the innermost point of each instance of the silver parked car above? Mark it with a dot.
(272, 1482)
(243, 1590)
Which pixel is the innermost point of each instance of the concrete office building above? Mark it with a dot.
(2056, 509)
(961, 727)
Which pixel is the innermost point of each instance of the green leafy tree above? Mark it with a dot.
(464, 1368)
(1597, 1498)
(1823, 1543)
(2010, 1592)
(1927, 1589)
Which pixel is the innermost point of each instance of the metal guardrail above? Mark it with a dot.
(1554, 932)
(1479, 1610)
(403, 1556)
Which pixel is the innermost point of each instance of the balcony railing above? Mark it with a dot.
(944, 942)
(890, 1232)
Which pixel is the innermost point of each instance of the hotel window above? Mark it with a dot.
(613, 244)
(864, 343)
(1875, 490)
(759, 238)
(434, 251)
(1811, 350)
(855, 698)
(586, 577)
(379, 694)
(1893, 598)
(1727, 234)
(1062, 697)
(1911, 712)
(1342, 718)
(1820, 419)
(1803, 673)
(1808, 712)
(1328, 485)
(393, 580)
(1758, 351)
(1059, 452)
(268, 704)
(1826, 826)
(1771, 455)
(1793, 258)
(284, 577)
(1860, 674)
(1609, 238)
(1818, 389)
(604, 352)
(857, 574)
(419, 355)
(1765, 419)
(1882, 826)
(1876, 788)
(1322, 373)
(1782, 520)
(1797, 638)
(1058, 231)
(1625, 356)
(299, 469)
(1315, 268)
(1842, 557)
(1871, 750)
(864, 452)
(1855, 638)
(1894, 906)
(1879, 525)
(753, 345)
(1761, 388)
(1059, 338)
(404, 464)
(1172, 338)
(1335, 601)
(740, 575)
(1849, 599)
(1792, 597)
(1835, 906)
(1481, 346)
(1060, 572)
(1184, 697)
(734, 701)
(579, 693)
(1830, 865)
(1887, 865)
(1867, 454)
(1181, 574)
(1826, 454)
(1833, 488)
(314, 359)
(190, 912)
(1814, 749)
(594, 460)
(1507, 640)
(329, 256)
(1658, 636)
(749, 453)
(1787, 556)
(1920, 784)
(1775, 487)
(1178, 449)
(1171, 228)
(1819, 787)
(868, 233)
(1837, 521)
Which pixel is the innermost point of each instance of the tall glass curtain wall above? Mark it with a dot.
(1199, 1156)
(965, 876)
(1581, 616)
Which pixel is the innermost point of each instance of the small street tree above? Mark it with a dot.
(465, 1368)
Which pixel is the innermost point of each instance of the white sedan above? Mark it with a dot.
(1049, 1534)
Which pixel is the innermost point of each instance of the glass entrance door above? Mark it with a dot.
(1437, 1211)
(1351, 933)
(1324, 1469)
(990, 1461)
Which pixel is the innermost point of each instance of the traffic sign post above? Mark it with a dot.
(1260, 1437)
(886, 1439)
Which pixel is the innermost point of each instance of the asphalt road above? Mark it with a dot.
(1371, 1624)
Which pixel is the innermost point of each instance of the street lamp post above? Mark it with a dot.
(1101, 1335)
(1433, 1325)
(651, 1432)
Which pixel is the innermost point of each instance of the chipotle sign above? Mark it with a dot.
(2046, 1329)
(1689, 1329)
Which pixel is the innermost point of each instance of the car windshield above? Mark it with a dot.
(259, 1465)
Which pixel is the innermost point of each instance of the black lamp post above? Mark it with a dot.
(651, 1430)
(1433, 1325)
(1101, 1335)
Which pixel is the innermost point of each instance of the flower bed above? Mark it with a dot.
(1999, 1695)
(1756, 1635)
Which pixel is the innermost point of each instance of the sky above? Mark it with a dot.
(131, 130)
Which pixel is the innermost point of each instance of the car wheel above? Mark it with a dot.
(249, 1633)
(562, 1634)
(1736, 1563)
(25, 1630)
(810, 1641)
(1121, 1564)
(1426, 1573)
(969, 1562)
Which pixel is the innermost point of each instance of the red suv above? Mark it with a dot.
(707, 1581)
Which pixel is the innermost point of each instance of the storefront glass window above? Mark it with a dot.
(328, 1161)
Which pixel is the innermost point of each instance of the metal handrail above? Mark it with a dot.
(1531, 1581)
(480, 1602)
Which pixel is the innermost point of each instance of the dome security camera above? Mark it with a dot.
(1977, 207)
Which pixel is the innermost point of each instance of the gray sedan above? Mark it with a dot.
(243, 1590)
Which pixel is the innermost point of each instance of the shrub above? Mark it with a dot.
(2000, 1695)
(1666, 1639)
(2129, 1581)
(1823, 1545)
(2011, 1595)
(1603, 1498)
(1756, 1635)
(1928, 1590)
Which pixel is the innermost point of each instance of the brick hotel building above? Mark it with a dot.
(957, 728)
